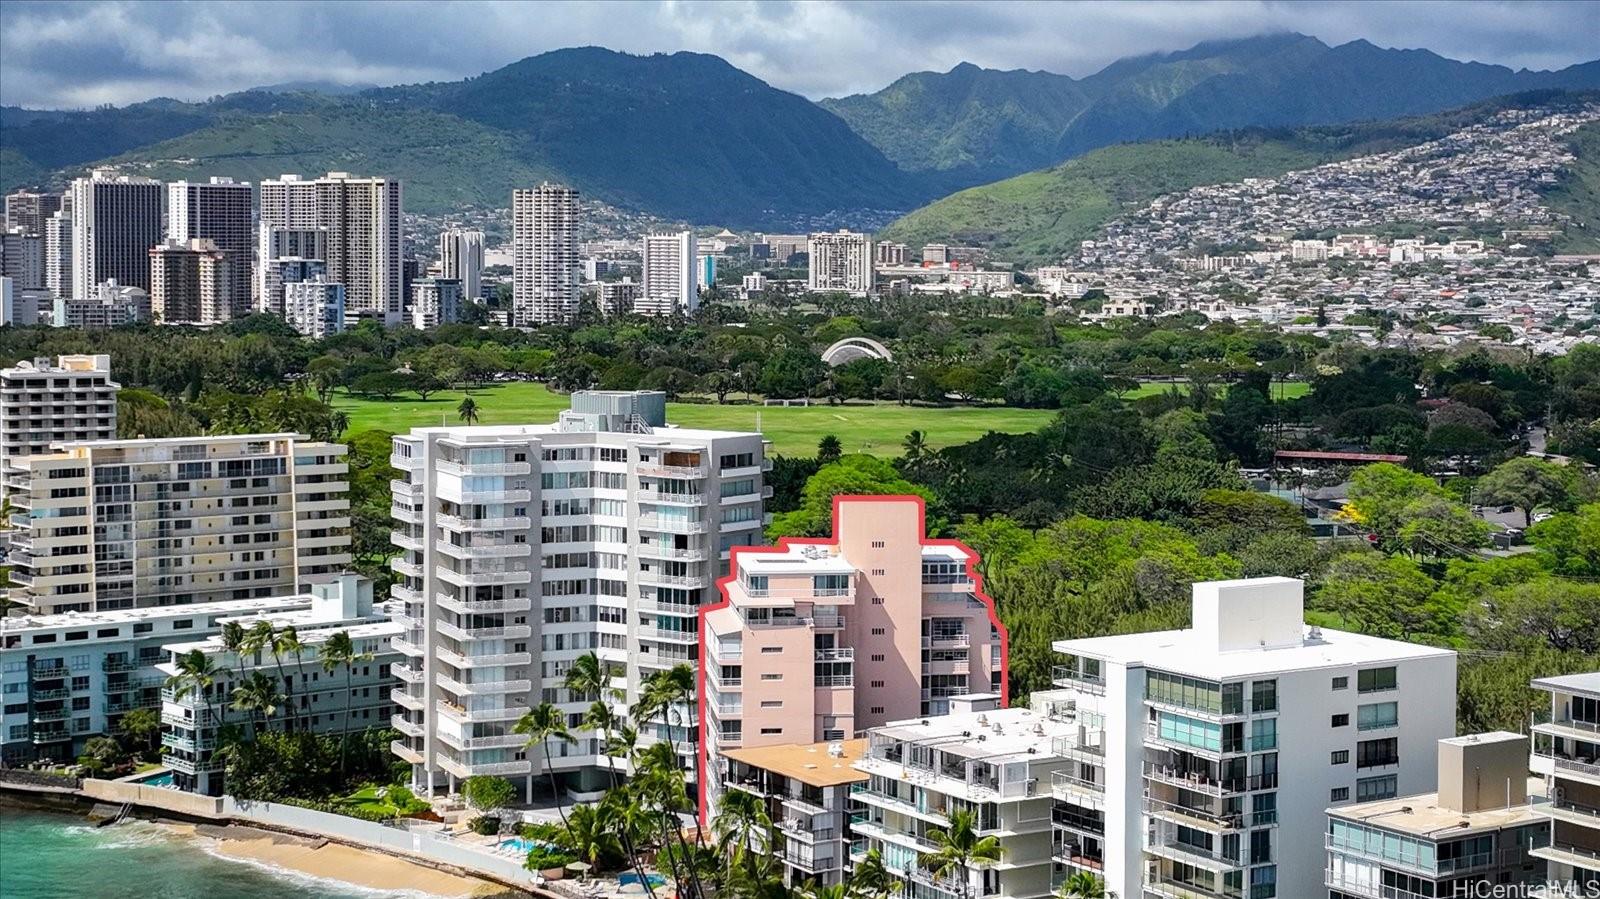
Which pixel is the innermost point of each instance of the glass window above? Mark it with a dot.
(1379, 714)
(1263, 734)
(1190, 731)
(1377, 753)
(1264, 696)
(1373, 680)
(1369, 789)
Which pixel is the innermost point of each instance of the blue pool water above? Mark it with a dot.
(159, 779)
(523, 844)
(656, 880)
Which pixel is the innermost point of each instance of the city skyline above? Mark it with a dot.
(101, 53)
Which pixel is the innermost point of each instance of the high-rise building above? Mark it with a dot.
(314, 306)
(527, 546)
(115, 221)
(667, 263)
(362, 218)
(286, 254)
(886, 253)
(29, 210)
(822, 639)
(1205, 759)
(840, 260)
(935, 254)
(1566, 753)
(22, 258)
(315, 700)
(72, 676)
(219, 210)
(435, 302)
(461, 258)
(192, 282)
(58, 254)
(122, 524)
(19, 307)
(991, 762)
(110, 306)
(1474, 836)
(43, 403)
(544, 255)
(809, 791)
(618, 297)
(705, 271)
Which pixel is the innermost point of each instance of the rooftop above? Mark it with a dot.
(229, 609)
(809, 763)
(1421, 815)
(1571, 683)
(1185, 652)
(995, 736)
(213, 644)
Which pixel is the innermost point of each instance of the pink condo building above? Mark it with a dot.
(821, 639)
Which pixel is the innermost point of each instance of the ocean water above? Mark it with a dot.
(49, 855)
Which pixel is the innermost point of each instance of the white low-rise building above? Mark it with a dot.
(1206, 758)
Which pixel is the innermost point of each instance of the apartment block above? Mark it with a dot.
(44, 403)
(115, 221)
(461, 259)
(314, 306)
(362, 223)
(58, 254)
(435, 302)
(1473, 836)
(316, 699)
(822, 639)
(286, 255)
(219, 210)
(526, 546)
(668, 270)
(618, 297)
(840, 261)
(29, 210)
(22, 258)
(1566, 754)
(1205, 759)
(544, 255)
(194, 282)
(122, 524)
(110, 306)
(807, 791)
(68, 677)
(990, 762)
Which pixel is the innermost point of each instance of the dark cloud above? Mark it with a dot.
(56, 54)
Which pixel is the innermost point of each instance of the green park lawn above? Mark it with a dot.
(875, 428)
(1281, 390)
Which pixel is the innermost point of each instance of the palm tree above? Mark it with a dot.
(870, 878)
(542, 724)
(590, 678)
(829, 449)
(287, 642)
(916, 446)
(961, 849)
(196, 673)
(236, 640)
(741, 817)
(1084, 885)
(339, 650)
(658, 783)
(468, 410)
(142, 726)
(835, 891)
(338, 423)
(258, 694)
(592, 831)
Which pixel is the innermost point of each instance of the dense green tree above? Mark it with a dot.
(1526, 483)
(852, 475)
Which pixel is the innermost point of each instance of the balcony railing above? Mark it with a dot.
(847, 654)
(1065, 676)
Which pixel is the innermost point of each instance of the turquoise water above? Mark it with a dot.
(45, 855)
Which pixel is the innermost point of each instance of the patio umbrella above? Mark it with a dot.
(578, 867)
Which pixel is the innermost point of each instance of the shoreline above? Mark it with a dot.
(327, 860)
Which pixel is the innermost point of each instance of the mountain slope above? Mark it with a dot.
(684, 136)
(1041, 216)
(970, 125)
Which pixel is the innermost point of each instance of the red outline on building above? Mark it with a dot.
(783, 545)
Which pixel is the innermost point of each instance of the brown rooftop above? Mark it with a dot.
(808, 763)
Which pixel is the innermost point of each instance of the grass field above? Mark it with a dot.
(875, 428)
(1281, 390)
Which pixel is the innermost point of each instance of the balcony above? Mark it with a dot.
(469, 744)
(456, 632)
(673, 580)
(406, 699)
(662, 497)
(497, 660)
(458, 523)
(1065, 676)
(474, 469)
(949, 640)
(113, 666)
(671, 525)
(828, 622)
(1566, 810)
(1563, 761)
(1196, 818)
(1569, 854)
(658, 551)
(463, 715)
(481, 578)
(492, 497)
(669, 635)
(406, 647)
(1071, 788)
(405, 568)
(483, 689)
(486, 606)
(405, 541)
(406, 673)
(483, 550)
(409, 728)
(1075, 855)
(652, 470)
(1164, 846)
(404, 752)
(42, 715)
(847, 654)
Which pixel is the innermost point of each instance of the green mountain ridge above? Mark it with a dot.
(1042, 216)
(970, 125)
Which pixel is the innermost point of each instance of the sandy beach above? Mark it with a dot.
(320, 858)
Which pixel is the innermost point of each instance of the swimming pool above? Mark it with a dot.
(162, 778)
(630, 877)
(523, 844)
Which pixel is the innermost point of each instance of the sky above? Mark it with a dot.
(93, 52)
